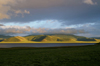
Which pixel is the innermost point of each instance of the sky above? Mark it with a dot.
(35, 17)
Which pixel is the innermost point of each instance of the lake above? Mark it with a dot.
(9, 45)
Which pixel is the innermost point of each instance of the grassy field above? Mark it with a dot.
(58, 56)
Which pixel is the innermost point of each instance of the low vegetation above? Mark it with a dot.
(58, 56)
(98, 43)
(15, 39)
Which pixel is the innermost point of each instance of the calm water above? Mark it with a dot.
(9, 45)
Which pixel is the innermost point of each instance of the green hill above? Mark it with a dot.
(78, 38)
(46, 38)
(15, 39)
(2, 37)
(96, 37)
(58, 37)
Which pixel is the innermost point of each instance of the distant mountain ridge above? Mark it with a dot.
(15, 39)
(96, 37)
(4, 36)
(50, 38)
(58, 37)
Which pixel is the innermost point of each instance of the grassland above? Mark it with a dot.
(58, 56)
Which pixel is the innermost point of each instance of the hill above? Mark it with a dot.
(46, 38)
(50, 38)
(58, 37)
(78, 38)
(96, 37)
(15, 39)
(4, 37)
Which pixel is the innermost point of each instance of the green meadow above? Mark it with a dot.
(57, 56)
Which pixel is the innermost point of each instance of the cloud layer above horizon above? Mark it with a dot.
(27, 30)
(66, 12)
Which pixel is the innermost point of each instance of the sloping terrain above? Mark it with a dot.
(4, 37)
(50, 38)
(54, 38)
(1, 39)
(78, 38)
(29, 37)
(58, 37)
(45, 38)
(15, 39)
(41, 38)
(96, 37)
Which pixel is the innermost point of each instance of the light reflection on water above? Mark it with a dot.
(9, 45)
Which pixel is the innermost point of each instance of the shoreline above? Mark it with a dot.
(53, 42)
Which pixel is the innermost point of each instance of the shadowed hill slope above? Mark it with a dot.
(4, 37)
(41, 38)
(96, 37)
(78, 38)
(15, 39)
(58, 37)
(48, 38)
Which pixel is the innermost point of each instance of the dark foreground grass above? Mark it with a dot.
(60, 56)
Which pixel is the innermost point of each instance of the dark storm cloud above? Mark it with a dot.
(69, 12)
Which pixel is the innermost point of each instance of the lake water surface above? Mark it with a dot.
(9, 45)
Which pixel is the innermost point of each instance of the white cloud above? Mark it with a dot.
(9, 30)
(90, 2)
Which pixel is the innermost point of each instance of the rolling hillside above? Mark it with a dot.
(96, 37)
(58, 37)
(15, 39)
(46, 38)
(4, 37)
(78, 38)
(49, 38)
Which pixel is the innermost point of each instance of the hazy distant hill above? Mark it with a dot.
(44, 38)
(96, 37)
(15, 39)
(78, 38)
(58, 37)
(4, 37)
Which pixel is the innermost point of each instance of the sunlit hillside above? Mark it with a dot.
(78, 38)
(15, 39)
(44, 38)
(55, 38)
(60, 37)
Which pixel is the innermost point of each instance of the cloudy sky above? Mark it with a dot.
(25, 17)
